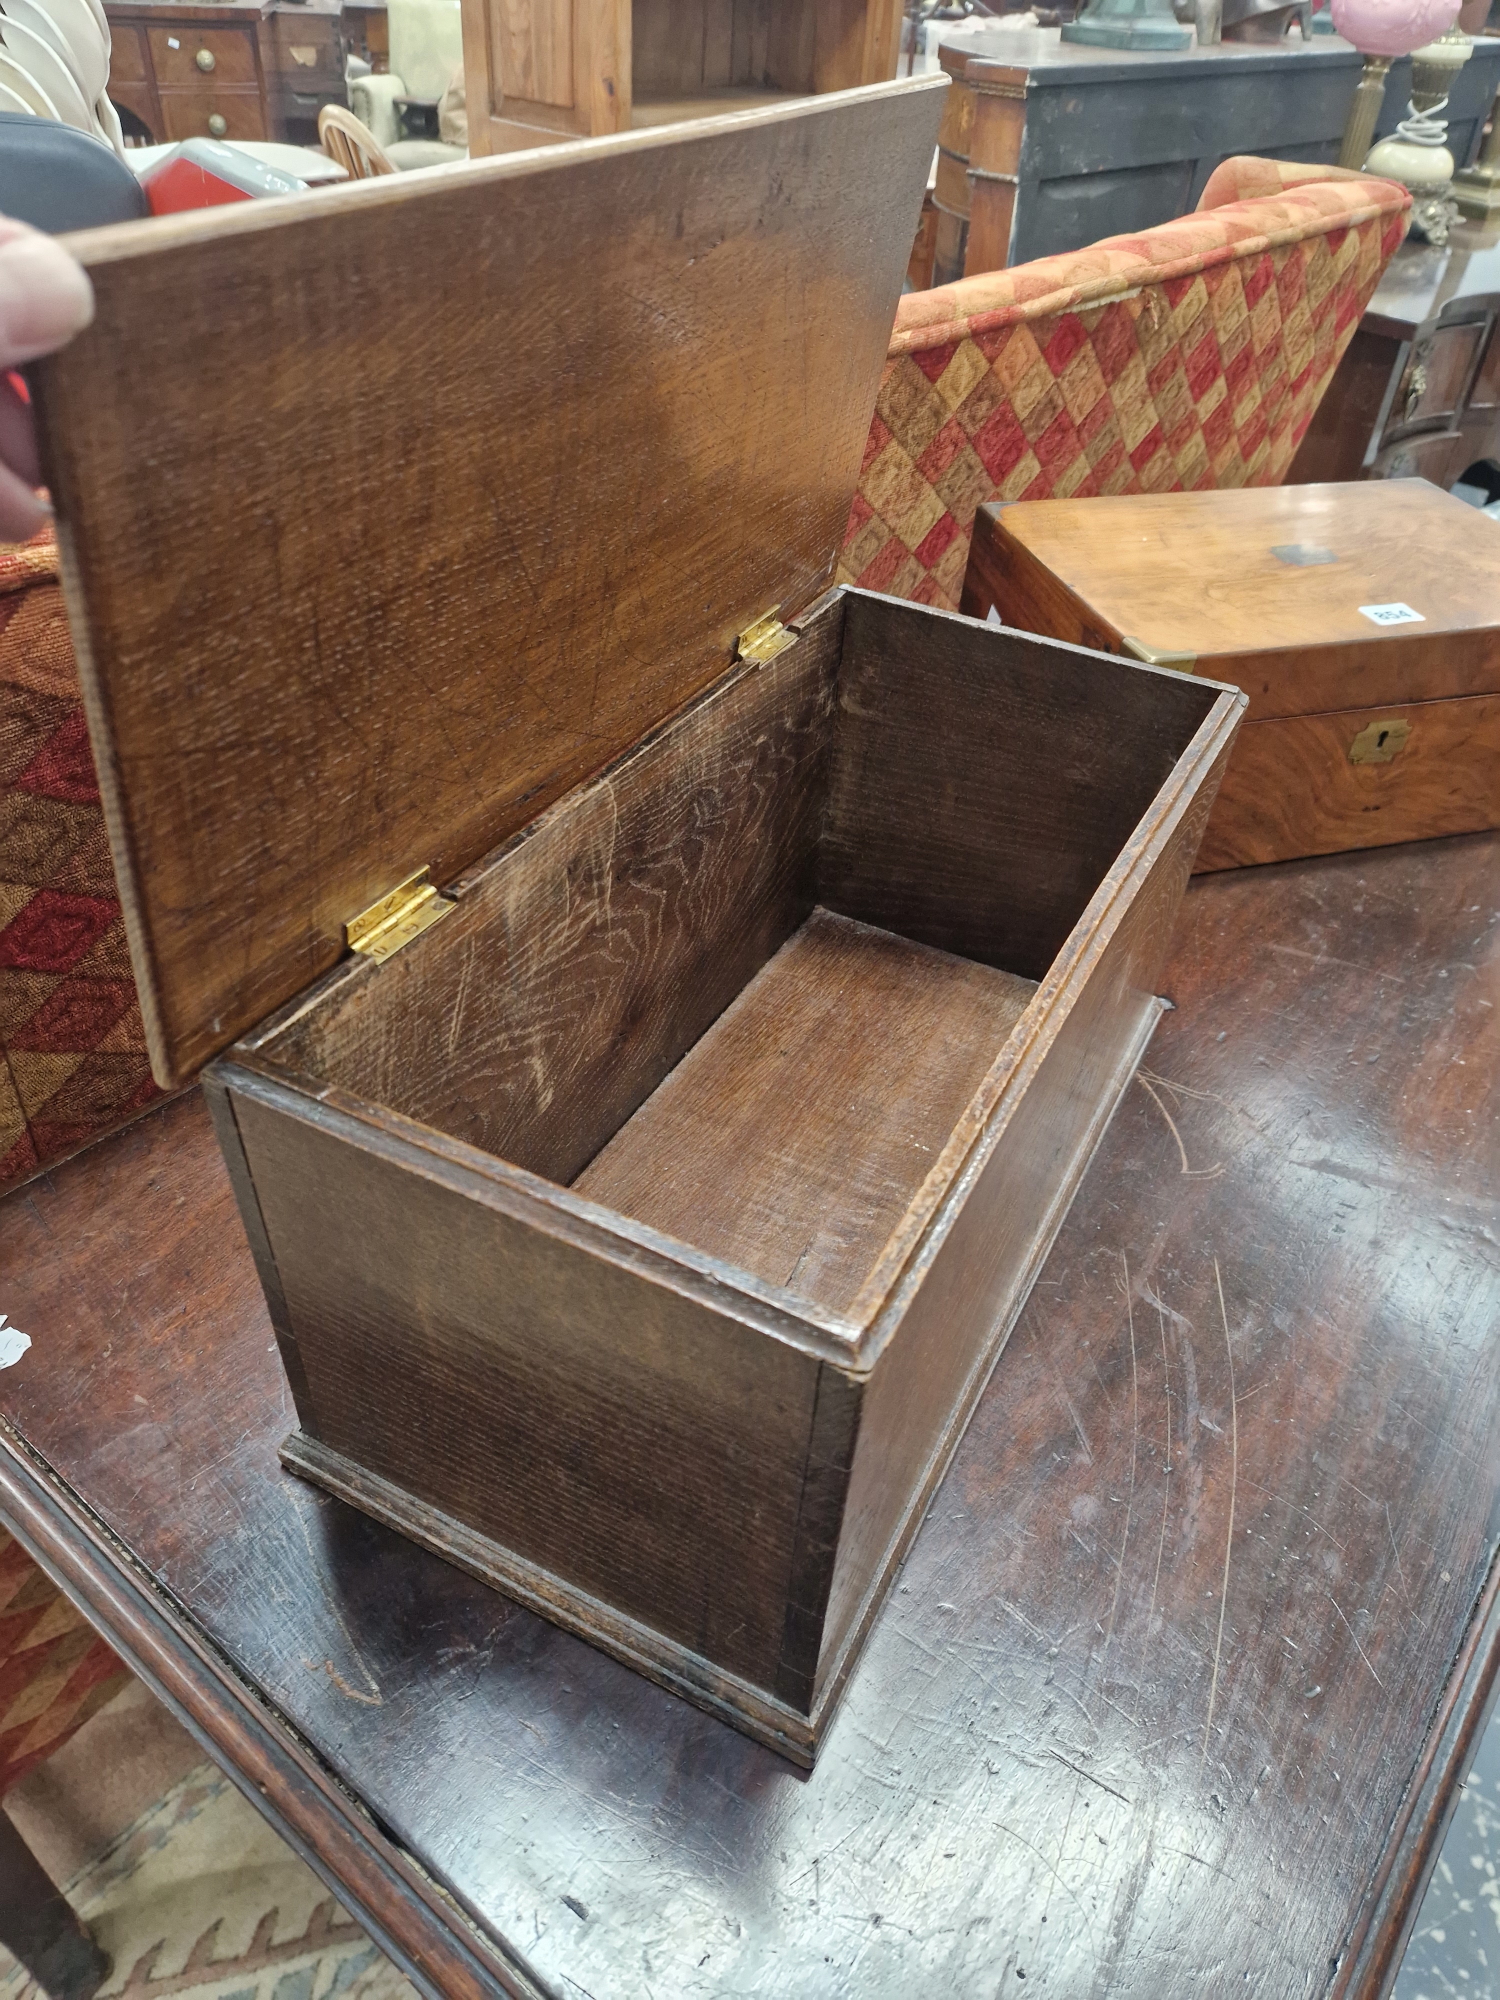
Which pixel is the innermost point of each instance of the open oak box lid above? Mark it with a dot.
(389, 513)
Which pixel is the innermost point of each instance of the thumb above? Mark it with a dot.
(45, 296)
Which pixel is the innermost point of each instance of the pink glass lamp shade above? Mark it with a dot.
(1392, 27)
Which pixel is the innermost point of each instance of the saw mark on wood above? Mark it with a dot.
(1234, 1475)
(1135, 1404)
(1161, 1540)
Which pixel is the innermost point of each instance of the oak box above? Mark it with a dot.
(639, 1213)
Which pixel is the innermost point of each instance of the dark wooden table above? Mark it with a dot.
(1182, 1670)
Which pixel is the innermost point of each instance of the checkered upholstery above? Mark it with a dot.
(72, 1048)
(54, 1670)
(1192, 355)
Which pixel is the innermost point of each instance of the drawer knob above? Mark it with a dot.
(218, 124)
(204, 59)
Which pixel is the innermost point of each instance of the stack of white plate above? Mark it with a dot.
(54, 63)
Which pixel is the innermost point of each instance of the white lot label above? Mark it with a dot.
(1391, 614)
(13, 1343)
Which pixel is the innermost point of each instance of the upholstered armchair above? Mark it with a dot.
(1191, 355)
(72, 1047)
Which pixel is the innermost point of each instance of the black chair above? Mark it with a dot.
(56, 178)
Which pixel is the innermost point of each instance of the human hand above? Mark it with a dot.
(45, 298)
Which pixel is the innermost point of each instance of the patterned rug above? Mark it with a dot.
(200, 1900)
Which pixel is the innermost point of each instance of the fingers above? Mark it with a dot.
(45, 297)
(17, 436)
(21, 513)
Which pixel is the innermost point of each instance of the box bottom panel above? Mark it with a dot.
(670, 1665)
(792, 1138)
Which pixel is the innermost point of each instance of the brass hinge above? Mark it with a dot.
(412, 907)
(1156, 656)
(764, 639)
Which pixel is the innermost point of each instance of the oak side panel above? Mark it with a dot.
(587, 958)
(580, 1414)
(304, 692)
(792, 44)
(481, 85)
(1293, 790)
(752, 41)
(667, 52)
(984, 782)
(1093, 1017)
(790, 1140)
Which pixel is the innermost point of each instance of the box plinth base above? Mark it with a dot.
(671, 1665)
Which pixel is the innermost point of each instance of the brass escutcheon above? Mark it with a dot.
(1378, 742)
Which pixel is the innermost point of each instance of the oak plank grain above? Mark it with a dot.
(791, 1139)
(948, 821)
(585, 959)
(1041, 1675)
(286, 725)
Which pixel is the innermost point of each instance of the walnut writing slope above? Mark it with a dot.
(640, 1208)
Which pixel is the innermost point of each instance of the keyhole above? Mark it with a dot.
(1380, 740)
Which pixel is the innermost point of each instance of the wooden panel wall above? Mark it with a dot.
(533, 46)
(681, 47)
(588, 1418)
(984, 783)
(587, 959)
(940, 1353)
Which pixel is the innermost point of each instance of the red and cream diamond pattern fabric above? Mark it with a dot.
(1192, 355)
(72, 1048)
(55, 1671)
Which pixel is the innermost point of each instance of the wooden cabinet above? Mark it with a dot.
(1418, 390)
(226, 69)
(571, 68)
(1060, 145)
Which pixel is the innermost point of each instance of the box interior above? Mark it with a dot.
(748, 984)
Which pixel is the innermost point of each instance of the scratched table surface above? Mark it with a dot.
(1178, 1681)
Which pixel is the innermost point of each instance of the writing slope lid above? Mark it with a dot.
(391, 512)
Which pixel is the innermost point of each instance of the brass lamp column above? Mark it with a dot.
(1382, 30)
(1477, 189)
(1369, 95)
(1417, 154)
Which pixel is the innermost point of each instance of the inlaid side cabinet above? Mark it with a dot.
(224, 69)
(578, 68)
(1417, 393)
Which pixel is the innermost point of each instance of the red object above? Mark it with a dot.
(200, 173)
